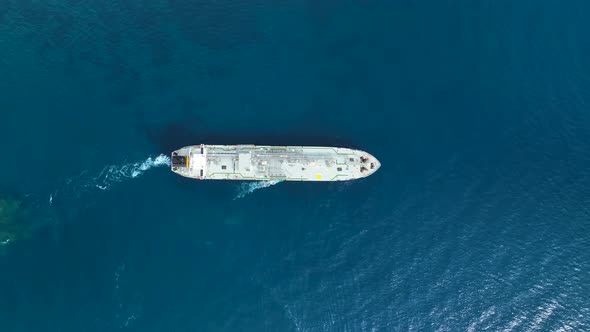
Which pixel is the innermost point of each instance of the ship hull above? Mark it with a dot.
(259, 163)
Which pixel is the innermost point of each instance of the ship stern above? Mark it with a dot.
(189, 161)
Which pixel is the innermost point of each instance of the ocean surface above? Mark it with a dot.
(478, 220)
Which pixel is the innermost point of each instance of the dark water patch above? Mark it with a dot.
(110, 16)
(157, 30)
(33, 13)
(126, 82)
(121, 72)
(5, 8)
(218, 25)
(215, 72)
(113, 39)
(322, 11)
(162, 48)
(64, 30)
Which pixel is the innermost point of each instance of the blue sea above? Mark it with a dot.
(478, 219)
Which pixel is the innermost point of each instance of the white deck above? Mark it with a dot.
(292, 163)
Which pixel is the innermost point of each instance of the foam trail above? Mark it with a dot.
(117, 173)
(110, 175)
(248, 188)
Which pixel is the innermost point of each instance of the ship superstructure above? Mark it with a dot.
(259, 162)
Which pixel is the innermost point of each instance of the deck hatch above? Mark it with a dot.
(179, 161)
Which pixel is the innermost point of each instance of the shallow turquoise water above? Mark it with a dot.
(477, 220)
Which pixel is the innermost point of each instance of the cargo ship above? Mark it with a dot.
(258, 162)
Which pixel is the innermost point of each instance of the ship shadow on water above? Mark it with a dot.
(176, 135)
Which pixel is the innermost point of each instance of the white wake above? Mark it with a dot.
(106, 178)
(116, 173)
(250, 187)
